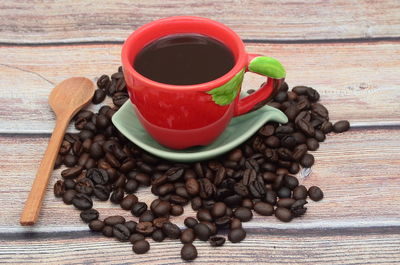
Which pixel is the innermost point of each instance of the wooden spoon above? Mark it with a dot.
(66, 99)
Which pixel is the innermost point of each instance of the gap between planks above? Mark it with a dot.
(99, 41)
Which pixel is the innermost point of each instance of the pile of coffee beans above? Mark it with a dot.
(256, 176)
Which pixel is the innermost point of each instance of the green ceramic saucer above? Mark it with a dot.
(239, 130)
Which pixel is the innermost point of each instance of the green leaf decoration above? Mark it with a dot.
(267, 66)
(226, 93)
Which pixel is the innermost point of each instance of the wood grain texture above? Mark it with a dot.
(71, 21)
(357, 170)
(358, 82)
(381, 246)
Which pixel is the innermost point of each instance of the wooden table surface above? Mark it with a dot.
(347, 50)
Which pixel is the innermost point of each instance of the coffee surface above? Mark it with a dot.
(184, 59)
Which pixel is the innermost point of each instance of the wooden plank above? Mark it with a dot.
(357, 170)
(259, 247)
(356, 81)
(72, 21)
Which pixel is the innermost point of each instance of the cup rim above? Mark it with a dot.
(239, 64)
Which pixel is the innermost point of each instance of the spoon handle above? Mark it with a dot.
(34, 202)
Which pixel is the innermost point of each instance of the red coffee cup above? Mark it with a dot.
(189, 115)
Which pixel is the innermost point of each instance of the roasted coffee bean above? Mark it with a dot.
(120, 182)
(160, 221)
(252, 164)
(326, 127)
(288, 141)
(160, 208)
(341, 126)
(121, 232)
(263, 208)
(247, 203)
(218, 210)
(59, 161)
(175, 199)
(283, 214)
(299, 151)
(181, 191)
(299, 137)
(147, 216)
(59, 188)
(315, 193)
(319, 136)
(217, 241)
(290, 182)
(128, 165)
(190, 222)
(187, 236)
(69, 196)
(119, 98)
(89, 215)
(103, 82)
(306, 127)
(196, 203)
(70, 160)
(204, 215)
(84, 186)
(188, 252)
(82, 201)
(282, 171)
(131, 225)
(320, 110)
(233, 200)
(284, 192)
(202, 231)
(114, 220)
(69, 184)
(72, 172)
(136, 237)
(266, 130)
(235, 223)
(98, 176)
(140, 246)
(65, 147)
(285, 202)
(143, 179)
(243, 214)
(307, 160)
(270, 197)
(280, 97)
(139, 208)
(313, 94)
(107, 231)
(236, 235)
(117, 196)
(174, 173)
(300, 90)
(277, 184)
(269, 177)
(83, 159)
(211, 226)
(145, 228)
(101, 192)
(298, 208)
(158, 235)
(96, 225)
(312, 144)
(99, 96)
(285, 154)
(176, 210)
(300, 192)
(249, 175)
(208, 204)
(85, 134)
(112, 160)
(235, 155)
(223, 221)
(207, 189)
(96, 151)
(272, 141)
(171, 230)
(257, 189)
(294, 168)
(128, 202)
(291, 112)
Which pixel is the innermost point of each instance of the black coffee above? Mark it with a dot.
(184, 59)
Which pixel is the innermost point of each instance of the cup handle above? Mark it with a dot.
(268, 67)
